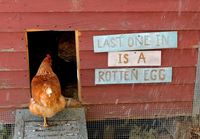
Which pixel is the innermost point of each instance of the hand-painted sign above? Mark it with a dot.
(135, 41)
(133, 75)
(134, 58)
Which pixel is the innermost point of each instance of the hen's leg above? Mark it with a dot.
(45, 122)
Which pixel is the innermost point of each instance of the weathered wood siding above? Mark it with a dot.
(170, 99)
(14, 75)
(95, 17)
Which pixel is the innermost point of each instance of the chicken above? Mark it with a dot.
(47, 99)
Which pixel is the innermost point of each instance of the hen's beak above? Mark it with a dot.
(45, 122)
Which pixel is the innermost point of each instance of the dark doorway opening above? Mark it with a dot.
(62, 48)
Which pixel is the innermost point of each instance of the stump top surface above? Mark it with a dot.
(68, 124)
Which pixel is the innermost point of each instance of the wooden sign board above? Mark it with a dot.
(133, 75)
(68, 124)
(134, 58)
(135, 41)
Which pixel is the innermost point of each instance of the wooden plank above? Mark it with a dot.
(13, 61)
(14, 79)
(133, 75)
(135, 41)
(139, 111)
(17, 22)
(134, 58)
(12, 42)
(61, 129)
(77, 34)
(86, 38)
(184, 75)
(98, 6)
(141, 93)
(70, 123)
(175, 58)
(13, 98)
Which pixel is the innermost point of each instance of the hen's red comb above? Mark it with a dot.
(48, 56)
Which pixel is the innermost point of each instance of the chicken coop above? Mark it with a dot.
(133, 65)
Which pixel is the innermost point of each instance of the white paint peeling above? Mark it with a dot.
(129, 112)
(77, 5)
(7, 50)
(116, 101)
(180, 7)
(146, 107)
(4, 69)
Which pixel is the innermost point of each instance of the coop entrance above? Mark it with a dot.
(62, 48)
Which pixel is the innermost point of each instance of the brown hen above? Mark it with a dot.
(47, 99)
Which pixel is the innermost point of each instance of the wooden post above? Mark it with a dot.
(196, 99)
